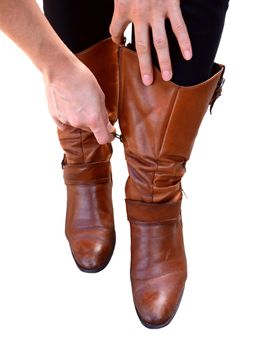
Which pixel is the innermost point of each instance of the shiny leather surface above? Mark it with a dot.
(159, 124)
(89, 225)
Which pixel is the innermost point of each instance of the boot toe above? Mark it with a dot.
(156, 306)
(92, 251)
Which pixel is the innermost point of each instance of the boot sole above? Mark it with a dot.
(160, 325)
(99, 268)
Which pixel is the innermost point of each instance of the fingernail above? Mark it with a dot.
(166, 75)
(187, 54)
(147, 79)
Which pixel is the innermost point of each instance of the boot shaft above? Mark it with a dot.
(159, 124)
(79, 145)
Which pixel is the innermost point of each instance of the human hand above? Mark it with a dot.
(76, 99)
(145, 13)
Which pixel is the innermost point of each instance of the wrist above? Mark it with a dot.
(57, 65)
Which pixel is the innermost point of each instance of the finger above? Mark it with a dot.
(117, 28)
(160, 41)
(100, 130)
(180, 30)
(143, 48)
(110, 127)
(59, 124)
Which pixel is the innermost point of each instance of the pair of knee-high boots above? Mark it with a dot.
(159, 124)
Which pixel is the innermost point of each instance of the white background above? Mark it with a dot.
(47, 303)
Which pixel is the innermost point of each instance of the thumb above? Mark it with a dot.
(101, 132)
(110, 127)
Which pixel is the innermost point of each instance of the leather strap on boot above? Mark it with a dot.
(153, 213)
(88, 173)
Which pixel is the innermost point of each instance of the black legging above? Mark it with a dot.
(81, 24)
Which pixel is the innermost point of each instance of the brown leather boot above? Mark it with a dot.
(89, 225)
(159, 124)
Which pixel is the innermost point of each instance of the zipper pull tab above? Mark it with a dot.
(120, 137)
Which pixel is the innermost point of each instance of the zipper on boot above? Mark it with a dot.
(119, 136)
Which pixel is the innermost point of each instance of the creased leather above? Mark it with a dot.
(89, 225)
(159, 124)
